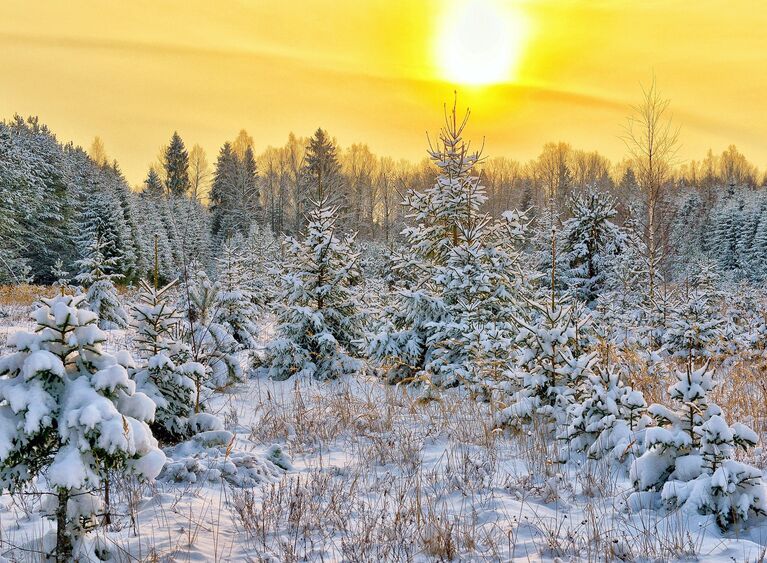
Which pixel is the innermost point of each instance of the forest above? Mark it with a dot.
(311, 352)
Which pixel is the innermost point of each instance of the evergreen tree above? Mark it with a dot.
(609, 418)
(61, 276)
(457, 274)
(318, 322)
(163, 376)
(96, 275)
(322, 172)
(553, 375)
(176, 164)
(154, 220)
(235, 308)
(261, 254)
(69, 412)
(235, 197)
(222, 192)
(209, 342)
(590, 242)
(689, 454)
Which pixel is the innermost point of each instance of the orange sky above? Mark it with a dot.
(367, 70)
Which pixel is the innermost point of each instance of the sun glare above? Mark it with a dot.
(480, 42)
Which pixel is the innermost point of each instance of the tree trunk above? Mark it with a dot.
(63, 539)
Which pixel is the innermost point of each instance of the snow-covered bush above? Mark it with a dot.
(318, 323)
(70, 413)
(689, 455)
(210, 456)
(608, 419)
(163, 376)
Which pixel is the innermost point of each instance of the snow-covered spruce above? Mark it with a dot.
(62, 278)
(608, 420)
(552, 374)
(261, 255)
(97, 274)
(208, 342)
(235, 309)
(689, 455)
(70, 413)
(163, 375)
(591, 241)
(318, 322)
(457, 276)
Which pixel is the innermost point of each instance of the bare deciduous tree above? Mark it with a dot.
(652, 140)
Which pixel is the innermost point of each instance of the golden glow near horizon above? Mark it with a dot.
(480, 42)
(379, 71)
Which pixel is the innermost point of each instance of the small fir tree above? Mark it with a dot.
(70, 413)
(163, 375)
(235, 308)
(209, 343)
(97, 275)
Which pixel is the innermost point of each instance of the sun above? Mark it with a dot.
(480, 42)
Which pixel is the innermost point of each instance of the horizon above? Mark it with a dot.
(135, 75)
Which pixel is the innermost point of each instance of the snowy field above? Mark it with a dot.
(377, 473)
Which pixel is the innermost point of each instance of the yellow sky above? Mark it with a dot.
(367, 70)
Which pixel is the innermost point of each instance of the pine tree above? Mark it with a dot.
(235, 308)
(69, 412)
(96, 275)
(176, 164)
(318, 321)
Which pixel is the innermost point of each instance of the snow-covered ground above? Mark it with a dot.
(379, 474)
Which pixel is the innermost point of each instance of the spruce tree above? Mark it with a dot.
(163, 374)
(261, 255)
(70, 413)
(456, 275)
(689, 453)
(210, 344)
(322, 172)
(176, 164)
(96, 274)
(608, 419)
(235, 308)
(590, 242)
(318, 323)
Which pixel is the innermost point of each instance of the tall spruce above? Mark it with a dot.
(176, 165)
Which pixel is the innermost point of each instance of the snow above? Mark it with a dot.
(69, 470)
